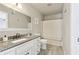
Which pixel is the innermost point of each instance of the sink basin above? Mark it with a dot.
(19, 40)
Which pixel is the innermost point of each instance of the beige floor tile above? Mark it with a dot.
(52, 50)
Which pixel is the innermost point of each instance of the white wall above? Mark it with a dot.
(75, 29)
(53, 16)
(67, 28)
(29, 11)
(36, 26)
(36, 18)
(71, 28)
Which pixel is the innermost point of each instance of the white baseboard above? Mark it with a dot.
(54, 42)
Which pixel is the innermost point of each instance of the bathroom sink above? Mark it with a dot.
(19, 40)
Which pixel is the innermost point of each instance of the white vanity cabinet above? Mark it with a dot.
(31, 47)
(38, 45)
(20, 50)
(35, 49)
(11, 51)
(23, 49)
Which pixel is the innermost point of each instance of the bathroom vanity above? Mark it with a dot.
(30, 46)
(18, 22)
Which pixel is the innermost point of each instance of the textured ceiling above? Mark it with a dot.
(48, 8)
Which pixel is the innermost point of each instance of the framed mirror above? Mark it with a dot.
(10, 18)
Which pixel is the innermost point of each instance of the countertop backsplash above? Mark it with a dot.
(12, 33)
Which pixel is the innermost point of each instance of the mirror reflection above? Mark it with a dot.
(10, 18)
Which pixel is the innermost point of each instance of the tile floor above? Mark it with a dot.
(52, 50)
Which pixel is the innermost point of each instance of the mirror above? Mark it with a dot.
(18, 20)
(13, 19)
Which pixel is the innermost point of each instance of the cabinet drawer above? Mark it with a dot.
(21, 49)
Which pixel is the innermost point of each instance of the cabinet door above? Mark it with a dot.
(38, 45)
(23, 48)
(35, 49)
(20, 50)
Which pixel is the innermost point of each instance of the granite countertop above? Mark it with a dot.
(8, 44)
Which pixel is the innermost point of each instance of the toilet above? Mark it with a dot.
(43, 44)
